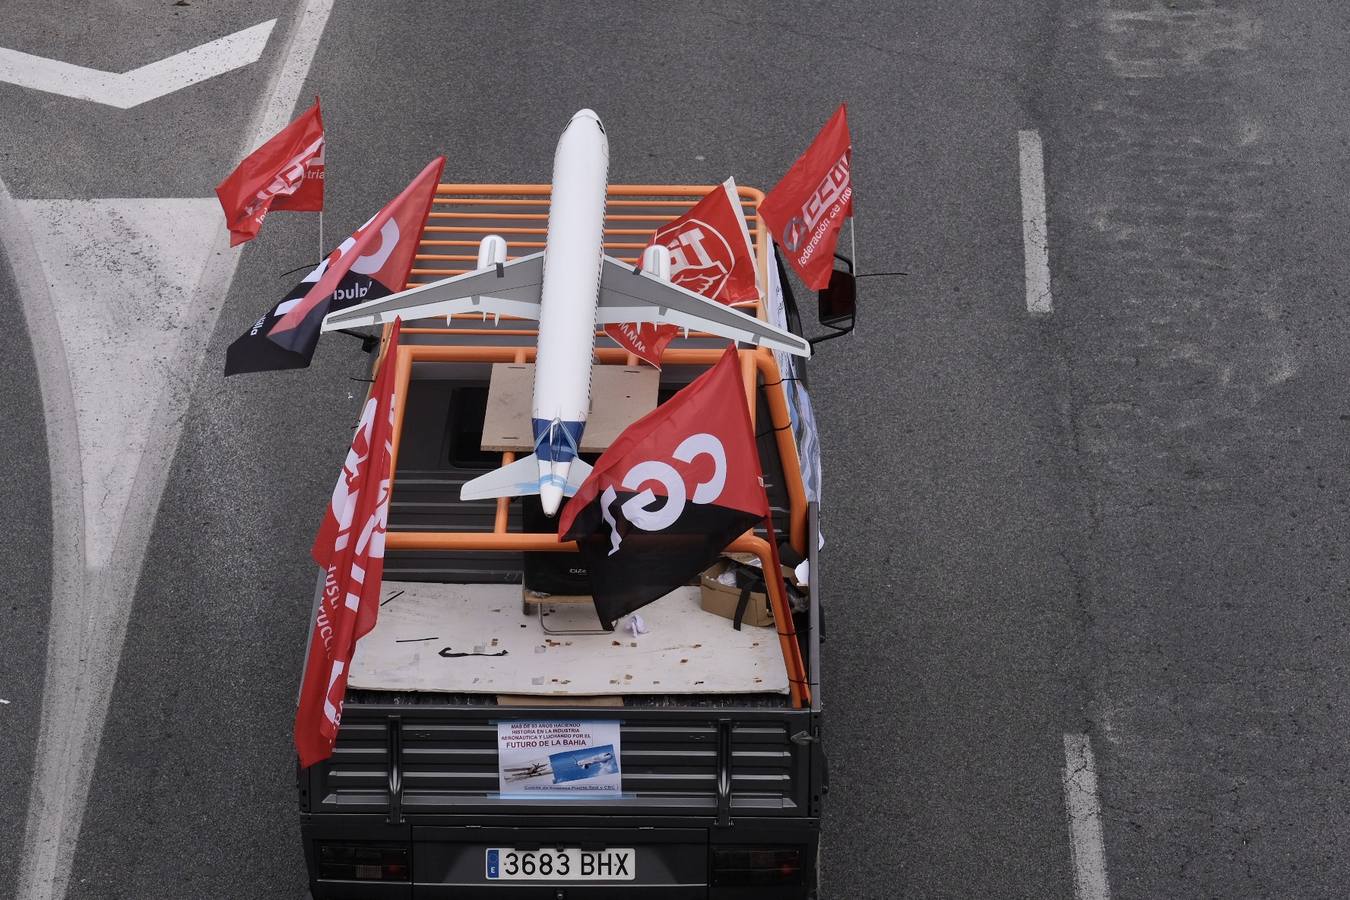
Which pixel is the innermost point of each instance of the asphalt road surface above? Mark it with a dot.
(1124, 519)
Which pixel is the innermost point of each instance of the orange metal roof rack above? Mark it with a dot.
(477, 210)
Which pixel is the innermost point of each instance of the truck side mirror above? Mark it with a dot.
(838, 302)
(837, 305)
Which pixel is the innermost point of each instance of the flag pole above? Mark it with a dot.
(852, 240)
(320, 236)
(852, 235)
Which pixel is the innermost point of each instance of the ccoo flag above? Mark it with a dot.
(350, 549)
(710, 254)
(370, 264)
(806, 210)
(284, 173)
(664, 500)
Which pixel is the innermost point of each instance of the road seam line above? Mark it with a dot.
(1086, 845)
(1035, 240)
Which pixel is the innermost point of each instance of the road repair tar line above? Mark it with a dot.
(1086, 844)
(1035, 242)
(94, 576)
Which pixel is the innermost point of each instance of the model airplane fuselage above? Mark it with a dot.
(569, 294)
(570, 288)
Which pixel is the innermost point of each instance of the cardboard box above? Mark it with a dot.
(722, 600)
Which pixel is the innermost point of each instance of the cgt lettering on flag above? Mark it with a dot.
(669, 494)
(639, 508)
(806, 210)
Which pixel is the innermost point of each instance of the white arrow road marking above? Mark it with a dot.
(149, 82)
(120, 275)
(118, 296)
(120, 279)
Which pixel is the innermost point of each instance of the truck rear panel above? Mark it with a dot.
(421, 781)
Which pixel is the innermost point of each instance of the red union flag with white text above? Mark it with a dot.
(710, 254)
(806, 210)
(350, 550)
(284, 173)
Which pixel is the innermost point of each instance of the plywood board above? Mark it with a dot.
(620, 395)
(475, 639)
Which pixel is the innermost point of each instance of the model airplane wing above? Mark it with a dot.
(635, 296)
(509, 290)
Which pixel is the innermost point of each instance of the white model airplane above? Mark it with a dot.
(570, 288)
(598, 759)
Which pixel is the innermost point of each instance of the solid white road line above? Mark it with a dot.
(1035, 243)
(1087, 847)
(128, 89)
(92, 592)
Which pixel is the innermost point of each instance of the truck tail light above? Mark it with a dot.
(740, 866)
(363, 862)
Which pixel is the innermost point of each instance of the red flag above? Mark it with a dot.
(710, 253)
(350, 549)
(667, 497)
(806, 210)
(276, 176)
(372, 263)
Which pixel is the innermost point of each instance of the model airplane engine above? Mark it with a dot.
(492, 251)
(656, 261)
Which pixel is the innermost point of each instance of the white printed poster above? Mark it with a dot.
(560, 759)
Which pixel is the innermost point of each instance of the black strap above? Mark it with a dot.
(741, 607)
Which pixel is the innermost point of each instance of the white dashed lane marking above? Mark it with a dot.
(1035, 243)
(1086, 844)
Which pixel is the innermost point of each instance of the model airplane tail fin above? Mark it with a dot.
(519, 479)
(580, 471)
(512, 480)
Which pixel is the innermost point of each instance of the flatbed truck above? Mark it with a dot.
(722, 789)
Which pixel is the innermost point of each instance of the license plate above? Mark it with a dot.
(569, 864)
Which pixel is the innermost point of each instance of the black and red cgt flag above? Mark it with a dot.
(350, 550)
(668, 496)
(372, 263)
(284, 173)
